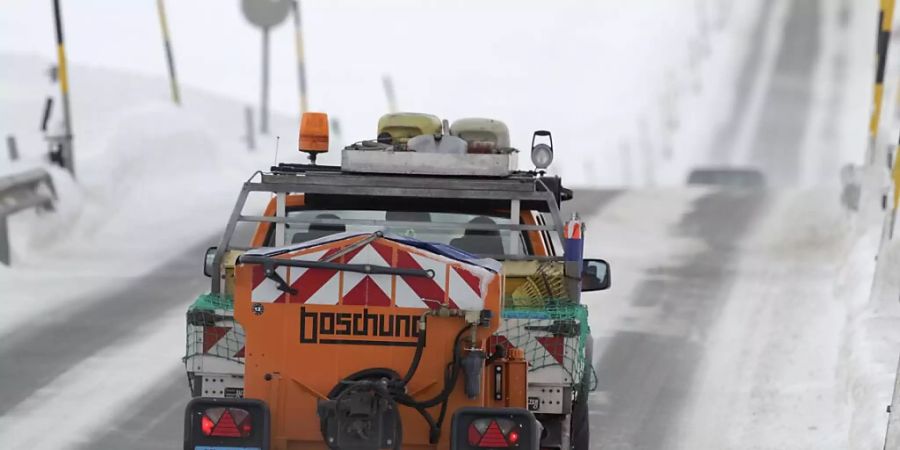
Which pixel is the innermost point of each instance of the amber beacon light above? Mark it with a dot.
(314, 134)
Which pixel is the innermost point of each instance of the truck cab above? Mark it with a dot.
(312, 322)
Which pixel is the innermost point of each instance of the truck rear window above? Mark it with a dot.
(426, 226)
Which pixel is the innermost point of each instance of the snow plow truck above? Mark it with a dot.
(425, 294)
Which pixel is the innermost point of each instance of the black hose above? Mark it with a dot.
(375, 372)
(396, 388)
(417, 357)
(443, 412)
(448, 384)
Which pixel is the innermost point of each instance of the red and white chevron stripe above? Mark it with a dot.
(455, 284)
(222, 340)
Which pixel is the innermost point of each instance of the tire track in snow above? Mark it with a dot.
(34, 357)
(84, 399)
(645, 371)
(777, 146)
(646, 376)
(748, 81)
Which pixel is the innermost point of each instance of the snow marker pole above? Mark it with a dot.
(248, 122)
(301, 63)
(167, 43)
(12, 148)
(68, 151)
(886, 20)
(388, 83)
(264, 100)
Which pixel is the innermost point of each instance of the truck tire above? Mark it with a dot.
(581, 425)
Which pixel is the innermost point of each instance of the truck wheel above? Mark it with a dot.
(581, 425)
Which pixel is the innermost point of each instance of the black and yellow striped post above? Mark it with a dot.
(167, 43)
(63, 74)
(885, 19)
(301, 63)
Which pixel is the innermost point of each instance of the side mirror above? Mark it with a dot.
(208, 260)
(595, 276)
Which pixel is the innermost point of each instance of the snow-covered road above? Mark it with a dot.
(730, 335)
(722, 330)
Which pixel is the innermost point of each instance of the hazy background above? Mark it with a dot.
(628, 88)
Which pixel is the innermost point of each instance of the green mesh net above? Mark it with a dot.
(553, 337)
(212, 330)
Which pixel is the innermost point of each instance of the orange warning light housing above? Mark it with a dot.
(314, 133)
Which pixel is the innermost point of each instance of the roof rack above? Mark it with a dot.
(317, 179)
(516, 191)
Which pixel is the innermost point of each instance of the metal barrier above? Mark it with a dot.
(18, 192)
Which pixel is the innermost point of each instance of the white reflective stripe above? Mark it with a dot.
(384, 282)
(328, 294)
(234, 336)
(536, 355)
(367, 255)
(311, 256)
(296, 272)
(351, 279)
(405, 297)
(439, 268)
(267, 291)
(463, 295)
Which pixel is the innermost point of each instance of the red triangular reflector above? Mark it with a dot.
(474, 436)
(226, 427)
(493, 437)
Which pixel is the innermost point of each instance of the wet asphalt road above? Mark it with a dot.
(34, 356)
(644, 377)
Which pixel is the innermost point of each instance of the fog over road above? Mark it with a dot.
(647, 360)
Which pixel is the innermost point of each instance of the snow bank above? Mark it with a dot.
(870, 286)
(153, 180)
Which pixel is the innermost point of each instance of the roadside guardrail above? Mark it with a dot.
(20, 191)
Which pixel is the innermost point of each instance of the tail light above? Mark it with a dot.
(494, 428)
(493, 433)
(226, 422)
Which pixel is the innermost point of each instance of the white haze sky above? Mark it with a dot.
(582, 69)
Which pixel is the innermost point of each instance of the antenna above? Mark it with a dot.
(277, 140)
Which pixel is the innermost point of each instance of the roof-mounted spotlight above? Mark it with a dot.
(541, 154)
